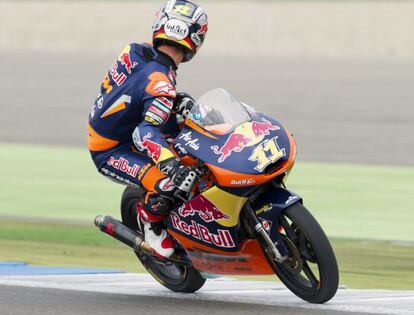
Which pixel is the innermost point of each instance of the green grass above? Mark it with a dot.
(355, 201)
(350, 201)
(363, 264)
(53, 182)
(375, 264)
(53, 244)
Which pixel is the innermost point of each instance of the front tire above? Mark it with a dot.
(173, 276)
(312, 271)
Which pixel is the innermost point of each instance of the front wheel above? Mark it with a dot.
(311, 272)
(176, 277)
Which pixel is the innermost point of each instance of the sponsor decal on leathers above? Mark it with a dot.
(152, 148)
(123, 165)
(125, 59)
(160, 85)
(118, 77)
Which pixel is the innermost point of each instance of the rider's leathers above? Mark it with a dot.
(132, 117)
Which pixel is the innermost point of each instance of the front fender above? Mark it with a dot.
(275, 200)
(269, 206)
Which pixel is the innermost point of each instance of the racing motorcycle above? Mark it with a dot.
(239, 219)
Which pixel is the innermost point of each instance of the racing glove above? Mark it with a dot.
(183, 177)
(183, 104)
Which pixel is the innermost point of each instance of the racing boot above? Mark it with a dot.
(151, 216)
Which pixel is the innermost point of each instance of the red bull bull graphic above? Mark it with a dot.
(204, 208)
(153, 149)
(246, 135)
(125, 59)
(235, 142)
(263, 128)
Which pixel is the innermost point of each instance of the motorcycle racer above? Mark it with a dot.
(138, 108)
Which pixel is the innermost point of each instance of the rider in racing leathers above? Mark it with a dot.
(138, 109)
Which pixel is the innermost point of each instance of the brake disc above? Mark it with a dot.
(294, 263)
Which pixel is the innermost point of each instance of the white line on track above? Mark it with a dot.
(225, 289)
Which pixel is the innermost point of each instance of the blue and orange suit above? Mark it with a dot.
(132, 117)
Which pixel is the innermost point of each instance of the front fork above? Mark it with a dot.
(277, 249)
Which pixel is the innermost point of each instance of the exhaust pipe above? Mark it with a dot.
(122, 233)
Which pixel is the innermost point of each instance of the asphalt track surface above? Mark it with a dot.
(339, 110)
(32, 301)
(140, 294)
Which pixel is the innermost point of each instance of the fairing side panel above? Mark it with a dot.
(249, 260)
(209, 219)
(228, 203)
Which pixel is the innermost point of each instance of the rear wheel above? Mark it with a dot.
(311, 272)
(173, 276)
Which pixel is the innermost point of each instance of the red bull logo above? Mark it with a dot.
(204, 208)
(153, 149)
(125, 59)
(200, 232)
(123, 165)
(118, 77)
(263, 128)
(235, 143)
(246, 135)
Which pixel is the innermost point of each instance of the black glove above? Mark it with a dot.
(183, 177)
(183, 104)
(170, 166)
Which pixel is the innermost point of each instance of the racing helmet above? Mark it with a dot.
(180, 23)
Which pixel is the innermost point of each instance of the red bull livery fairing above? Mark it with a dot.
(239, 219)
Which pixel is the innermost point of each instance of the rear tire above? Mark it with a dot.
(173, 276)
(318, 279)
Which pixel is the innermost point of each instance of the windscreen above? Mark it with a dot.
(218, 108)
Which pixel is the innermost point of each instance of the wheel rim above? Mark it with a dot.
(308, 279)
(163, 271)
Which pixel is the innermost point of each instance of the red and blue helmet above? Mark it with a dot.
(181, 23)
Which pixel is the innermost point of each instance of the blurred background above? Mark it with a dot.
(338, 74)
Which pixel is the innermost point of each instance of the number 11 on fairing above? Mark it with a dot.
(262, 156)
